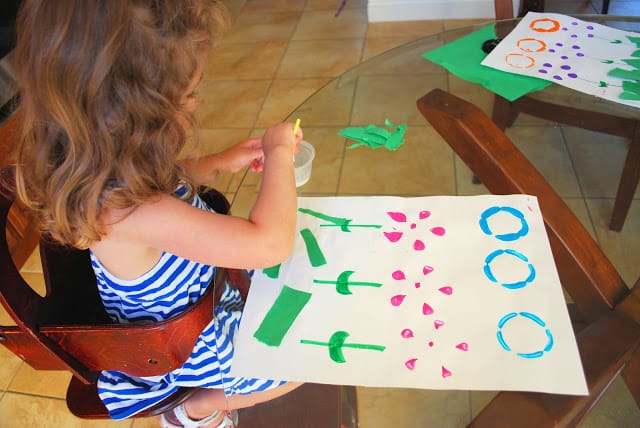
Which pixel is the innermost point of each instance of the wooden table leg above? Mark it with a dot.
(628, 183)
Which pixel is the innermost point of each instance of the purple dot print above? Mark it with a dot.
(559, 45)
(552, 50)
(574, 23)
(574, 36)
(546, 64)
(575, 47)
(572, 75)
(589, 27)
(557, 77)
(565, 29)
(591, 36)
(580, 54)
(566, 67)
(564, 57)
(543, 71)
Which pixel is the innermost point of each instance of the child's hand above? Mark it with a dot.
(281, 135)
(238, 156)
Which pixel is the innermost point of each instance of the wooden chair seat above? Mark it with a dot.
(609, 312)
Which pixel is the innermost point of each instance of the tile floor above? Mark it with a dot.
(268, 64)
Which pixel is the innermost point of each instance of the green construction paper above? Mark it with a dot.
(281, 316)
(373, 136)
(463, 57)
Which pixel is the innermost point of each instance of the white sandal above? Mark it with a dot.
(230, 419)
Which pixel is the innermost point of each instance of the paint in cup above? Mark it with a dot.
(302, 162)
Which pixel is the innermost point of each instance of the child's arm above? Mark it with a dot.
(206, 169)
(262, 240)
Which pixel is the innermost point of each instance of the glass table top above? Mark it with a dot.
(386, 87)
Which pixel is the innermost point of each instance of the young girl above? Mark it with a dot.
(107, 96)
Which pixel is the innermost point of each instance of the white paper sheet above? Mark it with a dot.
(444, 293)
(572, 53)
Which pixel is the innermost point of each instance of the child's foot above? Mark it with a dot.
(178, 418)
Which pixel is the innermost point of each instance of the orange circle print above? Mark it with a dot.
(531, 45)
(517, 60)
(542, 25)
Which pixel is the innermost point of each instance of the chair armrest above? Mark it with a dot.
(586, 273)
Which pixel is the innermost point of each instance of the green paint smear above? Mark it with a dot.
(273, 272)
(281, 316)
(336, 344)
(625, 74)
(634, 40)
(342, 283)
(635, 63)
(313, 249)
(631, 86)
(372, 136)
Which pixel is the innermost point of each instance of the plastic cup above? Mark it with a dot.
(302, 162)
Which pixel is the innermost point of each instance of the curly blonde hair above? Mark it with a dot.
(101, 87)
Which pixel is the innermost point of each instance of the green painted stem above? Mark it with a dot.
(356, 283)
(346, 345)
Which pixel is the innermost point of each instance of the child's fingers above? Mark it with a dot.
(257, 164)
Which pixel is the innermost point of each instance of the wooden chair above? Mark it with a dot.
(68, 329)
(504, 8)
(505, 112)
(606, 313)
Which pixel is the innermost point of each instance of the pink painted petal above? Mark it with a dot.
(437, 324)
(416, 284)
(411, 364)
(424, 214)
(397, 216)
(445, 372)
(398, 275)
(418, 245)
(413, 225)
(438, 230)
(406, 333)
(463, 346)
(427, 309)
(393, 236)
(398, 299)
(427, 270)
(448, 290)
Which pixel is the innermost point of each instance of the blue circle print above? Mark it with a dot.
(537, 354)
(510, 285)
(489, 212)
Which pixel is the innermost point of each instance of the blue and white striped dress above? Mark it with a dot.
(168, 289)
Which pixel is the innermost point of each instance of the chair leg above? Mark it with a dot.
(628, 183)
(605, 7)
(531, 6)
(504, 112)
